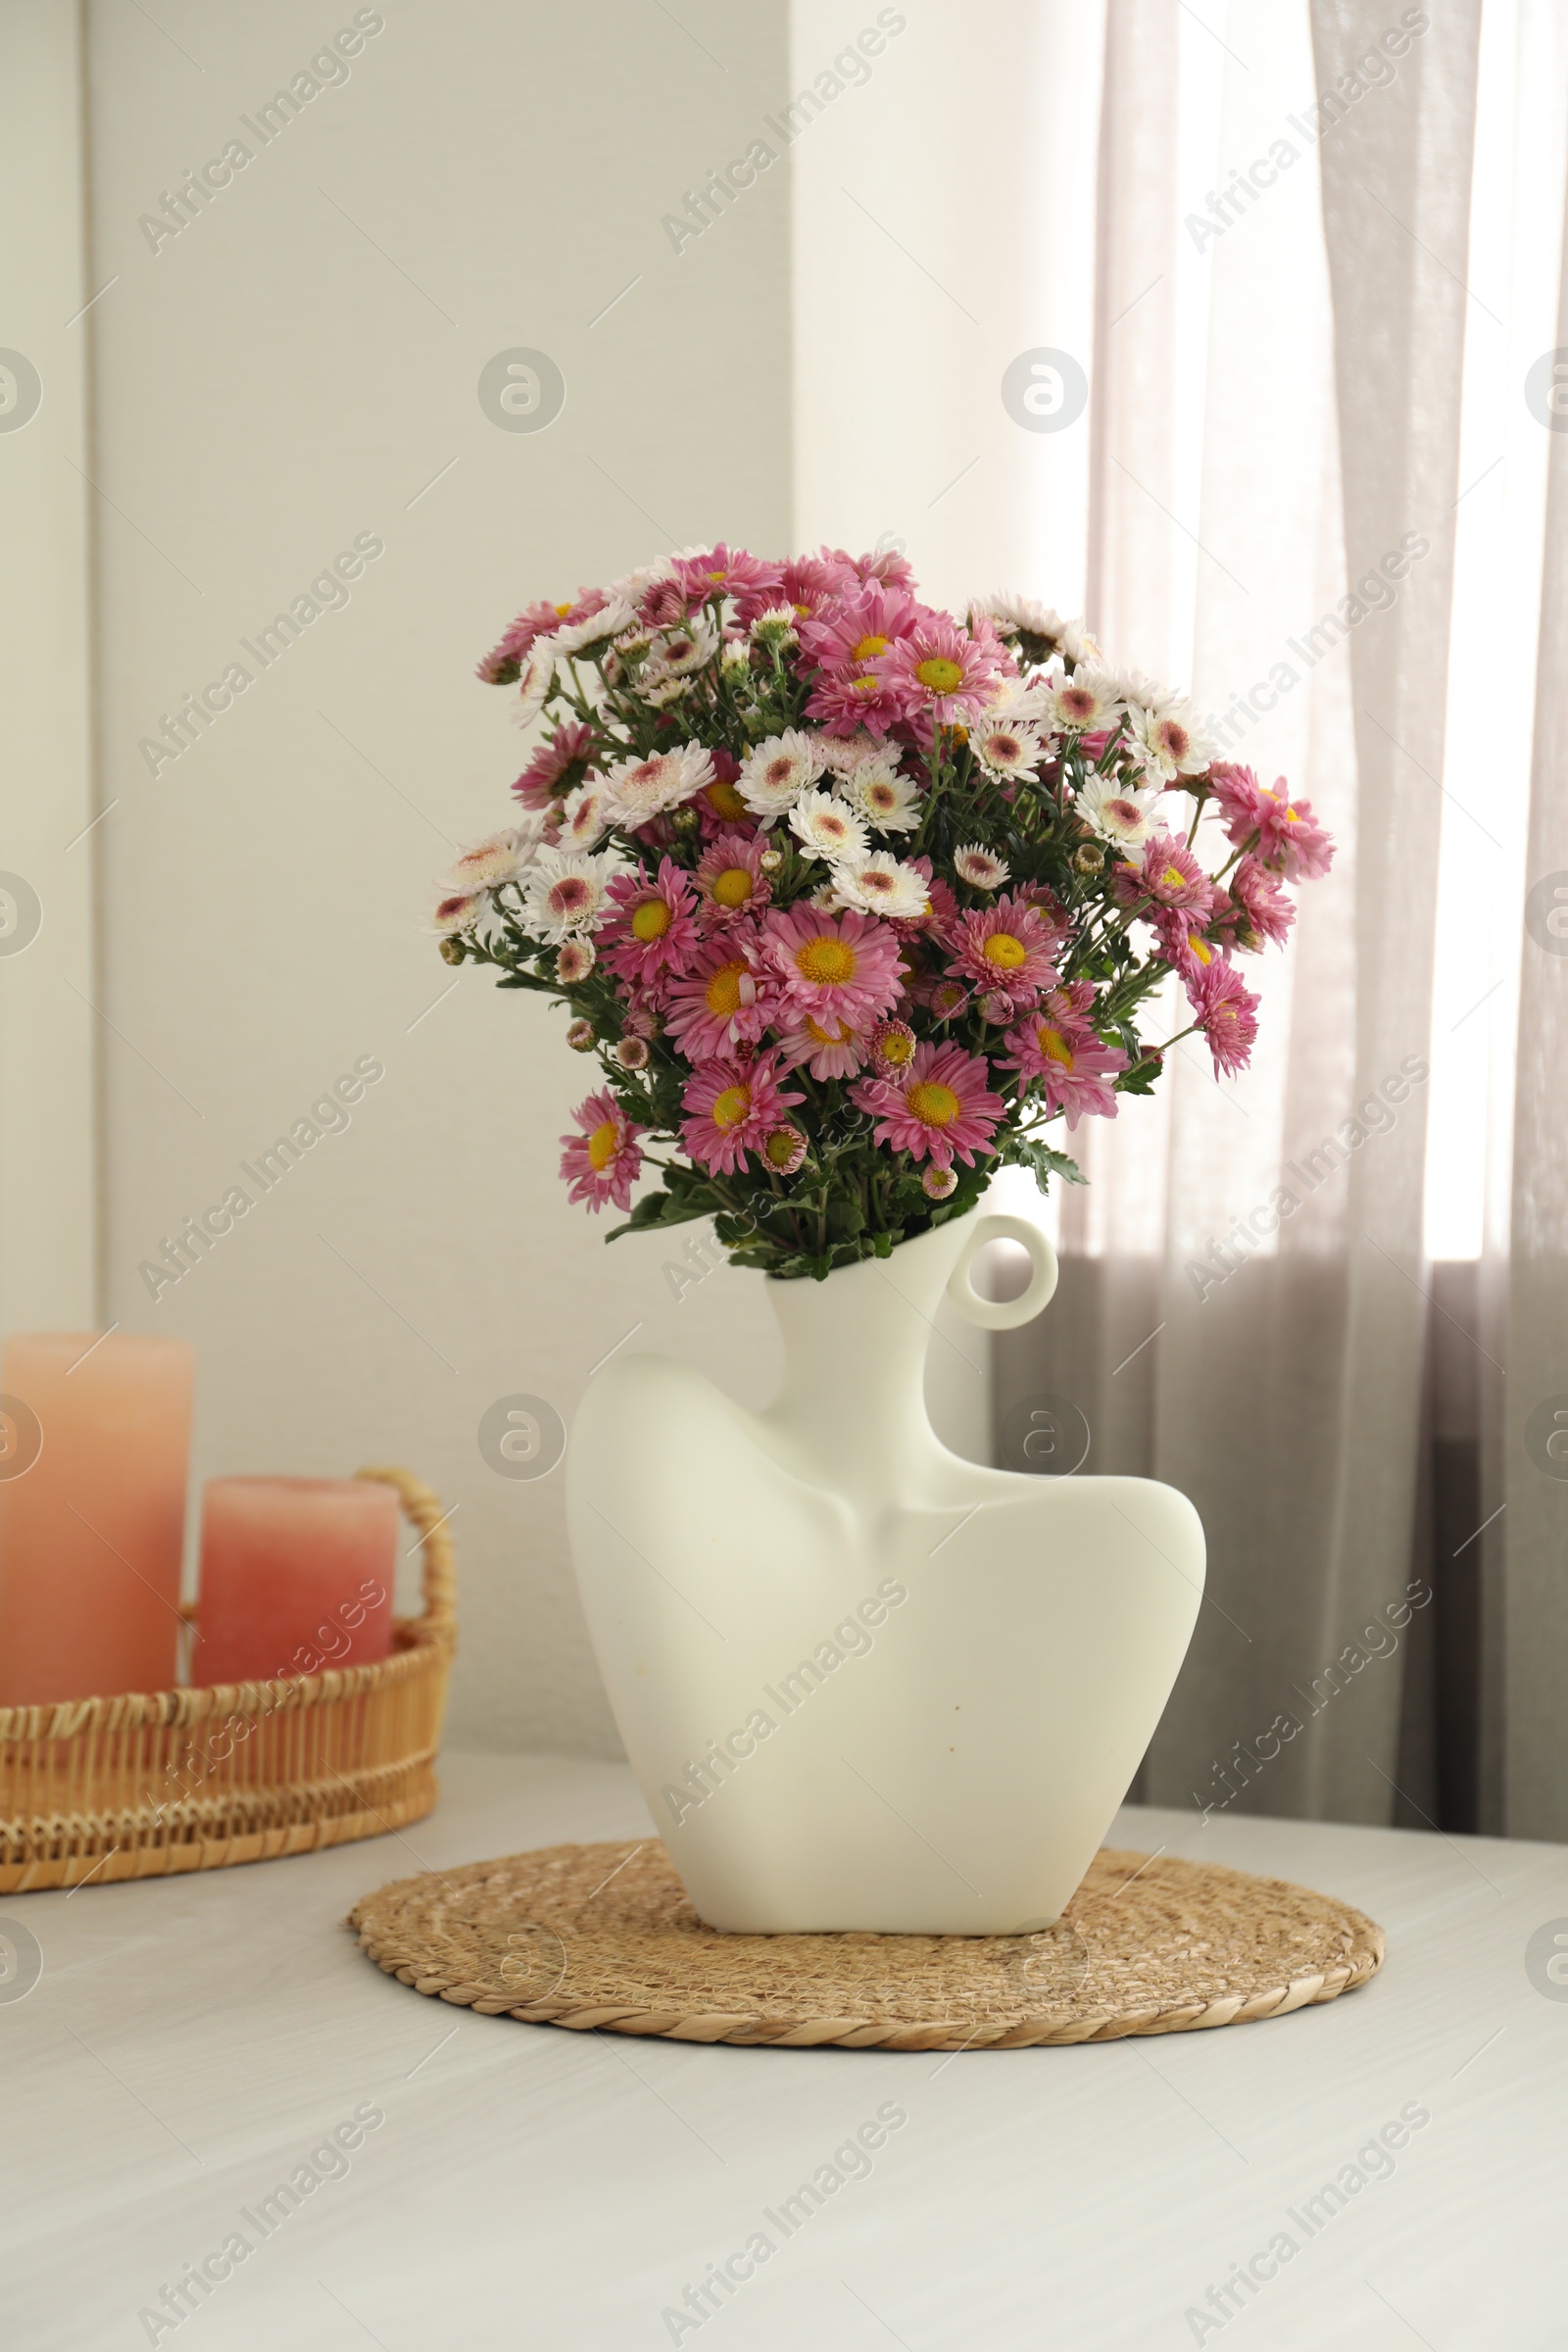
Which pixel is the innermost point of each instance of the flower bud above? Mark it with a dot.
(1089, 858)
(580, 1035)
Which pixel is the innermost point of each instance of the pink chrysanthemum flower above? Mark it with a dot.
(1182, 942)
(947, 997)
(1170, 875)
(885, 563)
(602, 1162)
(828, 1048)
(846, 701)
(556, 765)
(504, 660)
(652, 924)
(1260, 902)
(892, 1047)
(575, 960)
(1227, 1016)
(841, 967)
(938, 1183)
(945, 672)
(844, 637)
(1005, 946)
(1292, 836)
(939, 1108)
(807, 585)
(726, 572)
(1060, 1052)
(729, 878)
(1238, 795)
(732, 1109)
(723, 1000)
(783, 1150)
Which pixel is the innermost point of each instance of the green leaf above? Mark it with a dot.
(1025, 1152)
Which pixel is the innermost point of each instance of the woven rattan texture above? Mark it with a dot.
(155, 1782)
(604, 1935)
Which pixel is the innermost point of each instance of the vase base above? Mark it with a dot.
(605, 1936)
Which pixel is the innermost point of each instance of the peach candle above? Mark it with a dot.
(297, 1574)
(94, 1451)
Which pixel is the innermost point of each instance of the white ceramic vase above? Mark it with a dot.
(866, 1683)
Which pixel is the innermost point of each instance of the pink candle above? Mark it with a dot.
(94, 1449)
(296, 1574)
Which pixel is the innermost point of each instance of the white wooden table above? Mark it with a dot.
(191, 2041)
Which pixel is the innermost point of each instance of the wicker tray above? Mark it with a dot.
(152, 1783)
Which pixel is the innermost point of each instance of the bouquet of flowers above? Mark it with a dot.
(853, 899)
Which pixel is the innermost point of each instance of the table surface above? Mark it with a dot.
(190, 2041)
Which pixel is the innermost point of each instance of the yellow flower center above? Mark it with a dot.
(933, 1105)
(716, 576)
(868, 648)
(938, 674)
(733, 1106)
(564, 609)
(1054, 1046)
(723, 991)
(601, 1147)
(828, 961)
(651, 921)
(1200, 948)
(724, 798)
(733, 887)
(866, 685)
(779, 1148)
(1003, 950)
(1173, 878)
(896, 1051)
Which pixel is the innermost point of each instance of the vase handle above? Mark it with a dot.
(1004, 1314)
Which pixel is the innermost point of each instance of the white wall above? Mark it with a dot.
(298, 368)
(48, 1031)
(271, 383)
(944, 224)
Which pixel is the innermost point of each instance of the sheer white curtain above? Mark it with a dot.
(1306, 291)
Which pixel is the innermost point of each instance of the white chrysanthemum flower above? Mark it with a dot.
(878, 882)
(459, 910)
(1140, 692)
(1170, 742)
(664, 692)
(1086, 703)
(486, 866)
(889, 800)
(608, 621)
(584, 818)
(844, 753)
(632, 585)
(736, 654)
(981, 868)
(566, 892)
(636, 790)
(825, 827)
(1014, 615)
(1007, 748)
(773, 778)
(778, 625)
(537, 678)
(678, 652)
(1115, 814)
(634, 641)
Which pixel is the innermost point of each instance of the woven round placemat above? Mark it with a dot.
(604, 1935)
